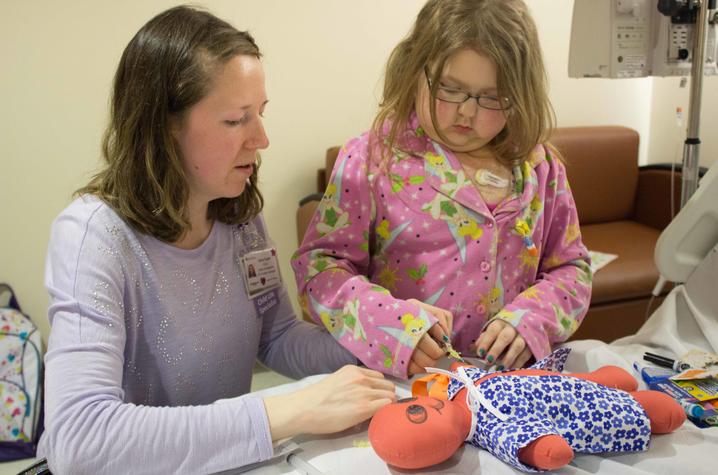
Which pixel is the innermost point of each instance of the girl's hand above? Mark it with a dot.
(428, 351)
(502, 345)
(343, 399)
(446, 320)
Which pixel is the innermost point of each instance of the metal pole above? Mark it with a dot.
(691, 147)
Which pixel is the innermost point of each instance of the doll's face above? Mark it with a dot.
(419, 413)
(419, 431)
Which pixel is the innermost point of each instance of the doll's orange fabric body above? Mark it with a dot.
(423, 431)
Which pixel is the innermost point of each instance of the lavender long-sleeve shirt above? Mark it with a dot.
(145, 336)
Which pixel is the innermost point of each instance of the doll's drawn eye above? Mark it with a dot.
(438, 405)
(416, 414)
(406, 399)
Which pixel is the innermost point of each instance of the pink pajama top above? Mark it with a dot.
(413, 226)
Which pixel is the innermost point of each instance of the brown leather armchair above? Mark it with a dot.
(622, 209)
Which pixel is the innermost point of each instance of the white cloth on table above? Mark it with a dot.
(687, 319)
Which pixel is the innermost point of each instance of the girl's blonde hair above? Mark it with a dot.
(501, 30)
(166, 68)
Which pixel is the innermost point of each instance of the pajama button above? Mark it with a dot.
(485, 266)
(490, 224)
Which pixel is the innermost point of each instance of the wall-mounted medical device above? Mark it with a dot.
(637, 38)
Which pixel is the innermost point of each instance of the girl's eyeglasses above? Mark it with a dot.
(457, 96)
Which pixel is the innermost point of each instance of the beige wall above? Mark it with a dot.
(323, 59)
(667, 135)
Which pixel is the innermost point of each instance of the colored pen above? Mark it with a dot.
(666, 362)
(692, 410)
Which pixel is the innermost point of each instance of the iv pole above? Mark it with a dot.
(691, 147)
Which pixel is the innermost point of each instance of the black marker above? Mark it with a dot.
(666, 362)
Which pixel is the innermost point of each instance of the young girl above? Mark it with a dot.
(154, 316)
(453, 199)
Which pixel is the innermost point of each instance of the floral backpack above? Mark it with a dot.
(21, 371)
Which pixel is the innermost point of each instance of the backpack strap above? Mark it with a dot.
(13, 303)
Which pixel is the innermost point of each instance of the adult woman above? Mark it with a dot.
(149, 306)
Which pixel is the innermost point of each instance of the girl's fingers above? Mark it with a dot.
(422, 359)
(516, 348)
(487, 338)
(437, 334)
(430, 347)
(438, 331)
(503, 340)
(523, 358)
(444, 317)
(414, 368)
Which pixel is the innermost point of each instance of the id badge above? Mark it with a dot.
(260, 270)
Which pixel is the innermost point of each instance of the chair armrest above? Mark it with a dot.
(312, 197)
(321, 179)
(307, 206)
(652, 205)
(323, 174)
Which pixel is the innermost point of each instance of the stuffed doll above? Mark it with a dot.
(533, 419)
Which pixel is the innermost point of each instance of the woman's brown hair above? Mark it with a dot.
(501, 30)
(166, 68)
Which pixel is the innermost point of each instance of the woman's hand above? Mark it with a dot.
(502, 345)
(428, 351)
(345, 398)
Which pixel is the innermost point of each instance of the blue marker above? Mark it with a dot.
(692, 410)
(653, 374)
